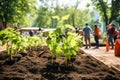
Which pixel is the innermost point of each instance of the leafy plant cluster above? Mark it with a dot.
(63, 41)
(17, 43)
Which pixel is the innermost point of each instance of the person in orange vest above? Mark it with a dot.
(96, 35)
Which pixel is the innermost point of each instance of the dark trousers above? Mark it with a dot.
(96, 41)
(110, 40)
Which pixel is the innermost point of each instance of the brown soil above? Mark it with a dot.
(37, 65)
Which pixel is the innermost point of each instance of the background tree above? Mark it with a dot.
(14, 11)
(118, 20)
(77, 17)
(44, 14)
(43, 18)
(108, 9)
(80, 18)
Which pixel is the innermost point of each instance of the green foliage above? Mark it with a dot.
(14, 11)
(76, 17)
(63, 41)
(35, 41)
(104, 37)
(109, 9)
(10, 36)
(70, 45)
(43, 18)
(18, 43)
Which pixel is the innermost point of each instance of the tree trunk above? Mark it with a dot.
(4, 25)
(104, 12)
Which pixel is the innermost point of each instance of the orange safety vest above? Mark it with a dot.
(96, 31)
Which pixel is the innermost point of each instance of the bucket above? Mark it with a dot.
(117, 48)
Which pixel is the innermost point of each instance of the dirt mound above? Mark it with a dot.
(37, 65)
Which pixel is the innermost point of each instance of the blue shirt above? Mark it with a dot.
(86, 31)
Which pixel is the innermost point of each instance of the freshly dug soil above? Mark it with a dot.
(37, 65)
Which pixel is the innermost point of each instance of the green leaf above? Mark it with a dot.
(65, 17)
(56, 17)
(69, 26)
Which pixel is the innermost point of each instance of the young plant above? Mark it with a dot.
(18, 43)
(21, 44)
(9, 36)
(70, 46)
(53, 42)
(63, 41)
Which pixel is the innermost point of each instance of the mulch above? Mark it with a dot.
(37, 65)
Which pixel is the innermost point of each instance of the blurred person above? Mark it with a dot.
(80, 32)
(96, 35)
(110, 33)
(31, 33)
(39, 31)
(86, 33)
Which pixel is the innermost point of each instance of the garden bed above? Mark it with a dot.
(37, 65)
